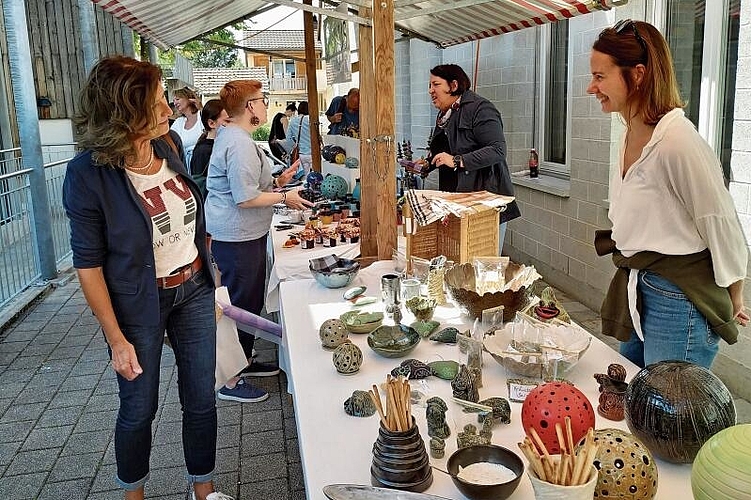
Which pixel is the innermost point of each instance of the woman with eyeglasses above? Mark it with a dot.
(238, 216)
(676, 239)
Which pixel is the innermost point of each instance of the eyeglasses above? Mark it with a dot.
(626, 24)
(265, 100)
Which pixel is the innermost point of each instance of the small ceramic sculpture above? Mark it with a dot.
(412, 369)
(612, 392)
(469, 437)
(333, 333)
(359, 404)
(549, 307)
(464, 386)
(437, 447)
(425, 327)
(501, 411)
(435, 414)
(423, 308)
(347, 358)
(446, 370)
(487, 429)
(447, 335)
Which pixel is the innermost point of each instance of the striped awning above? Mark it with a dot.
(444, 22)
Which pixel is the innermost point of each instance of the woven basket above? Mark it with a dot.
(458, 238)
(460, 281)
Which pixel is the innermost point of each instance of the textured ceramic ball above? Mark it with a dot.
(334, 187)
(674, 407)
(551, 403)
(347, 358)
(625, 466)
(333, 333)
(722, 468)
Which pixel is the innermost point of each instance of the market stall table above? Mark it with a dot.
(337, 448)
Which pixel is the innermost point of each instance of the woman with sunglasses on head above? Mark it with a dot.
(188, 125)
(131, 204)
(676, 239)
(239, 208)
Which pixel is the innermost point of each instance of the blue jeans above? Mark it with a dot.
(673, 328)
(187, 314)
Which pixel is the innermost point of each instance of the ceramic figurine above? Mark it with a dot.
(333, 332)
(486, 432)
(421, 307)
(612, 392)
(464, 387)
(474, 362)
(549, 307)
(347, 358)
(412, 369)
(469, 437)
(435, 414)
(446, 370)
(359, 404)
(501, 410)
(437, 447)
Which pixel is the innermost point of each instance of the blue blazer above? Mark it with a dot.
(109, 228)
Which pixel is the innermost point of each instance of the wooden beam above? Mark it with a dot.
(368, 179)
(325, 12)
(311, 65)
(383, 142)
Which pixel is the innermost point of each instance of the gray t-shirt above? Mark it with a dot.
(238, 172)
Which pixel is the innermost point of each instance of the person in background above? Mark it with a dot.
(344, 114)
(299, 128)
(468, 146)
(188, 125)
(676, 239)
(278, 131)
(130, 200)
(213, 116)
(239, 208)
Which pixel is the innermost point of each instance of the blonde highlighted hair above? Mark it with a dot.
(117, 104)
(236, 93)
(188, 93)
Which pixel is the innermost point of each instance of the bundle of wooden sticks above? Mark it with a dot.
(398, 414)
(574, 466)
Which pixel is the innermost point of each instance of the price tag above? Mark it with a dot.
(518, 389)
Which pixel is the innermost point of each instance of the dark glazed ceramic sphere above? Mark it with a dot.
(674, 407)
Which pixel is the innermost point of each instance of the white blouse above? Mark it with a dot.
(673, 201)
(188, 136)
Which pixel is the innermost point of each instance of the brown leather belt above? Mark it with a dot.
(181, 275)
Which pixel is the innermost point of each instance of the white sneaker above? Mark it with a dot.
(217, 495)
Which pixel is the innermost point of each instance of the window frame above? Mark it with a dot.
(561, 170)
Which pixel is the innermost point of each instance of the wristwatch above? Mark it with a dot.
(457, 161)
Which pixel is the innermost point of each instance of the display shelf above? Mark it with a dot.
(349, 174)
(350, 145)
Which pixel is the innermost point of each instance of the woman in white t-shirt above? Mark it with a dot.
(679, 246)
(188, 126)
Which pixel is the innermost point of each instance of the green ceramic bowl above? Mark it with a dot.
(393, 341)
(361, 322)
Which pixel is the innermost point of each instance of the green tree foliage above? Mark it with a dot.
(209, 55)
(262, 133)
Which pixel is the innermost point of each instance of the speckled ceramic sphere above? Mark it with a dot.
(674, 407)
(625, 466)
(347, 358)
(333, 333)
(551, 403)
(722, 468)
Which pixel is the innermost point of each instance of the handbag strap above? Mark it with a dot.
(299, 131)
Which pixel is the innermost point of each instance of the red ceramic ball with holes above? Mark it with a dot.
(550, 403)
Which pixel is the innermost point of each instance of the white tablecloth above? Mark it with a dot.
(336, 448)
(292, 263)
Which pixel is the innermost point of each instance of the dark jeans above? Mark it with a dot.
(243, 268)
(187, 314)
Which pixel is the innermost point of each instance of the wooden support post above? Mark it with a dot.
(384, 141)
(368, 180)
(311, 65)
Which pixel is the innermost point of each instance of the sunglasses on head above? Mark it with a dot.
(626, 25)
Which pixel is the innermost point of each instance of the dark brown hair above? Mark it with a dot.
(451, 72)
(630, 43)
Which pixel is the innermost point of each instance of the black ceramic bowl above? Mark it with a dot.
(485, 453)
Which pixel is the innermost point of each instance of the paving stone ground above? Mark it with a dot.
(58, 400)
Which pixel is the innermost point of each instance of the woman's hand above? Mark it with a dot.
(736, 297)
(124, 360)
(287, 175)
(443, 160)
(294, 200)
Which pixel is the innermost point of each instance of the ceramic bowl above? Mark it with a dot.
(485, 453)
(336, 274)
(361, 322)
(393, 341)
(422, 307)
(460, 282)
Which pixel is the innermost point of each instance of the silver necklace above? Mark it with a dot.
(147, 166)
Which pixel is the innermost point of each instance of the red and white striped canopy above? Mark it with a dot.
(445, 22)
